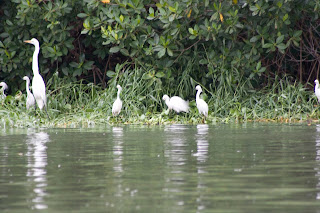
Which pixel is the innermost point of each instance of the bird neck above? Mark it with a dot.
(118, 93)
(35, 66)
(198, 95)
(27, 85)
(317, 85)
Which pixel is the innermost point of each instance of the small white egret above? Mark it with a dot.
(176, 103)
(201, 104)
(30, 99)
(4, 86)
(317, 89)
(117, 105)
(38, 86)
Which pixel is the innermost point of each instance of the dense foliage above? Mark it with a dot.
(230, 47)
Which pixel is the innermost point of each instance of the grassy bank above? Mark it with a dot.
(85, 105)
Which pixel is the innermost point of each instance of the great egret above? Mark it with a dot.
(117, 105)
(176, 103)
(38, 86)
(317, 89)
(4, 86)
(201, 104)
(30, 99)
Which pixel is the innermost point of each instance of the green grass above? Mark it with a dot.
(83, 104)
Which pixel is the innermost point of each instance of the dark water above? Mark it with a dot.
(226, 168)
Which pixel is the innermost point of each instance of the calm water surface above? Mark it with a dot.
(225, 168)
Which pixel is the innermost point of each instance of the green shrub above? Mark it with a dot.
(219, 44)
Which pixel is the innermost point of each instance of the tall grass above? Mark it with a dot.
(83, 104)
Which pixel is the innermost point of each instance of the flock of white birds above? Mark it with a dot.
(38, 95)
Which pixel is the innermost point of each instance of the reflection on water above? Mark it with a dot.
(176, 168)
(175, 146)
(202, 156)
(117, 133)
(202, 142)
(37, 162)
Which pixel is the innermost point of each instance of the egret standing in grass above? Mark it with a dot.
(30, 99)
(117, 105)
(317, 89)
(4, 86)
(176, 103)
(201, 104)
(38, 86)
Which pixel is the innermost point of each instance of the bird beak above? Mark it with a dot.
(27, 41)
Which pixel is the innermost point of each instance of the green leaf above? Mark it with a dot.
(74, 64)
(170, 53)
(110, 74)
(280, 39)
(258, 65)
(162, 52)
(160, 74)
(121, 18)
(281, 46)
(172, 9)
(114, 49)
(124, 51)
(190, 31)
(9, 22)
(254, 39)
(82, 15)
(151, 10)
(297, 33)
(267, 45)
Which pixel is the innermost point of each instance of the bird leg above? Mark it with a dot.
(46, 112)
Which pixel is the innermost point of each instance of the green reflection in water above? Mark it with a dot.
(178, 168)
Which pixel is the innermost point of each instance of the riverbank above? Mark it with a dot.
(86, 105)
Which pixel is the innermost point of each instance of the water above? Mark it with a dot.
(225, 168)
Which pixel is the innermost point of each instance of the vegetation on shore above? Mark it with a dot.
(83, 104)
(255, 60)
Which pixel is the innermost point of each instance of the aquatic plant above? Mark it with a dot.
(82, 104)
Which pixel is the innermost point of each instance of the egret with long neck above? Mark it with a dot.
(30, 99)
(317, 89)
(38, 85)
(4, 86)
(117, 105)
(201, 104)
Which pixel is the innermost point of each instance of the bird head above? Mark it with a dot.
(316, 81)
(165, 97)
(199, 88)
(26, 78)
(33, 41)
(4, 85)
(119, 87)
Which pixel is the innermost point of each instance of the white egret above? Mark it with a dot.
(317, 89)
(201, 104)
(176, 103)
(38, 86)
(30, 99)
(117, 105)
(4, 86)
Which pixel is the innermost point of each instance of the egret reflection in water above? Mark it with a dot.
(175, 144)
(37, 162)
(117, 133)
(202, 142)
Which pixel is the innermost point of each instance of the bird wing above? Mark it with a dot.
(39, 89)
(178, 104)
